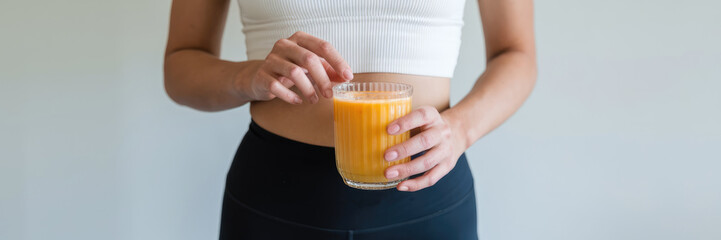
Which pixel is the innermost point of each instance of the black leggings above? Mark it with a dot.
(278, 188)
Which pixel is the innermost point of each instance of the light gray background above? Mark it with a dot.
(620, 139)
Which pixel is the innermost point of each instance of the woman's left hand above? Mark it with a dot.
(443, 145)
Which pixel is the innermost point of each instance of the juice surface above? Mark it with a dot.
(361, 137)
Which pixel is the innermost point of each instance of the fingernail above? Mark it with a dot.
(392, 174)
(392, 155)
(314, 99)
(297, 100)
(393, 128)
(305, 70)
(403, 188)
(328, 93)
(347, 74)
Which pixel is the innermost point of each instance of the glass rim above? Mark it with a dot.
(374, 89)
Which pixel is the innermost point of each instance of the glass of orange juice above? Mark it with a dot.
(361, 114)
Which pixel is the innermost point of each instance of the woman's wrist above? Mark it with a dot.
(241, 81)
(459, 132)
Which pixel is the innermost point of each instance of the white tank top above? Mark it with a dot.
(419, 37)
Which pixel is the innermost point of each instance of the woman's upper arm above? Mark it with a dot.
(507, 26)
(196, 24)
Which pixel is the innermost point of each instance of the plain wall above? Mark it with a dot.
(620, 139)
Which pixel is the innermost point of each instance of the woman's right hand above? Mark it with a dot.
(307, 62)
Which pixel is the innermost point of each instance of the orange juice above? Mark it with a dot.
(361, 137)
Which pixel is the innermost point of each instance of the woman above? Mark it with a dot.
(283, 183)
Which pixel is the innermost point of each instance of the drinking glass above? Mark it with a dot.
(361, 114)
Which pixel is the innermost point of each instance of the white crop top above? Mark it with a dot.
(419, 37)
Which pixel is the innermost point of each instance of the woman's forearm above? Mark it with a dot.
(202, 81)
(497, 94)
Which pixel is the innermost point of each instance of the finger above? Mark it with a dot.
(309, 60)
(295, 73)
(422, 141)
(265, 82)
(428, 179)
(325, 50)
(422, 116)
(287, 83)
(280, 91)
(332, 74)
(416, 166)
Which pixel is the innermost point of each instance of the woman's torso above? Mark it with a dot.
(313, 123)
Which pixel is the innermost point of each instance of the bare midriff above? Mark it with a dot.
(313, 123)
